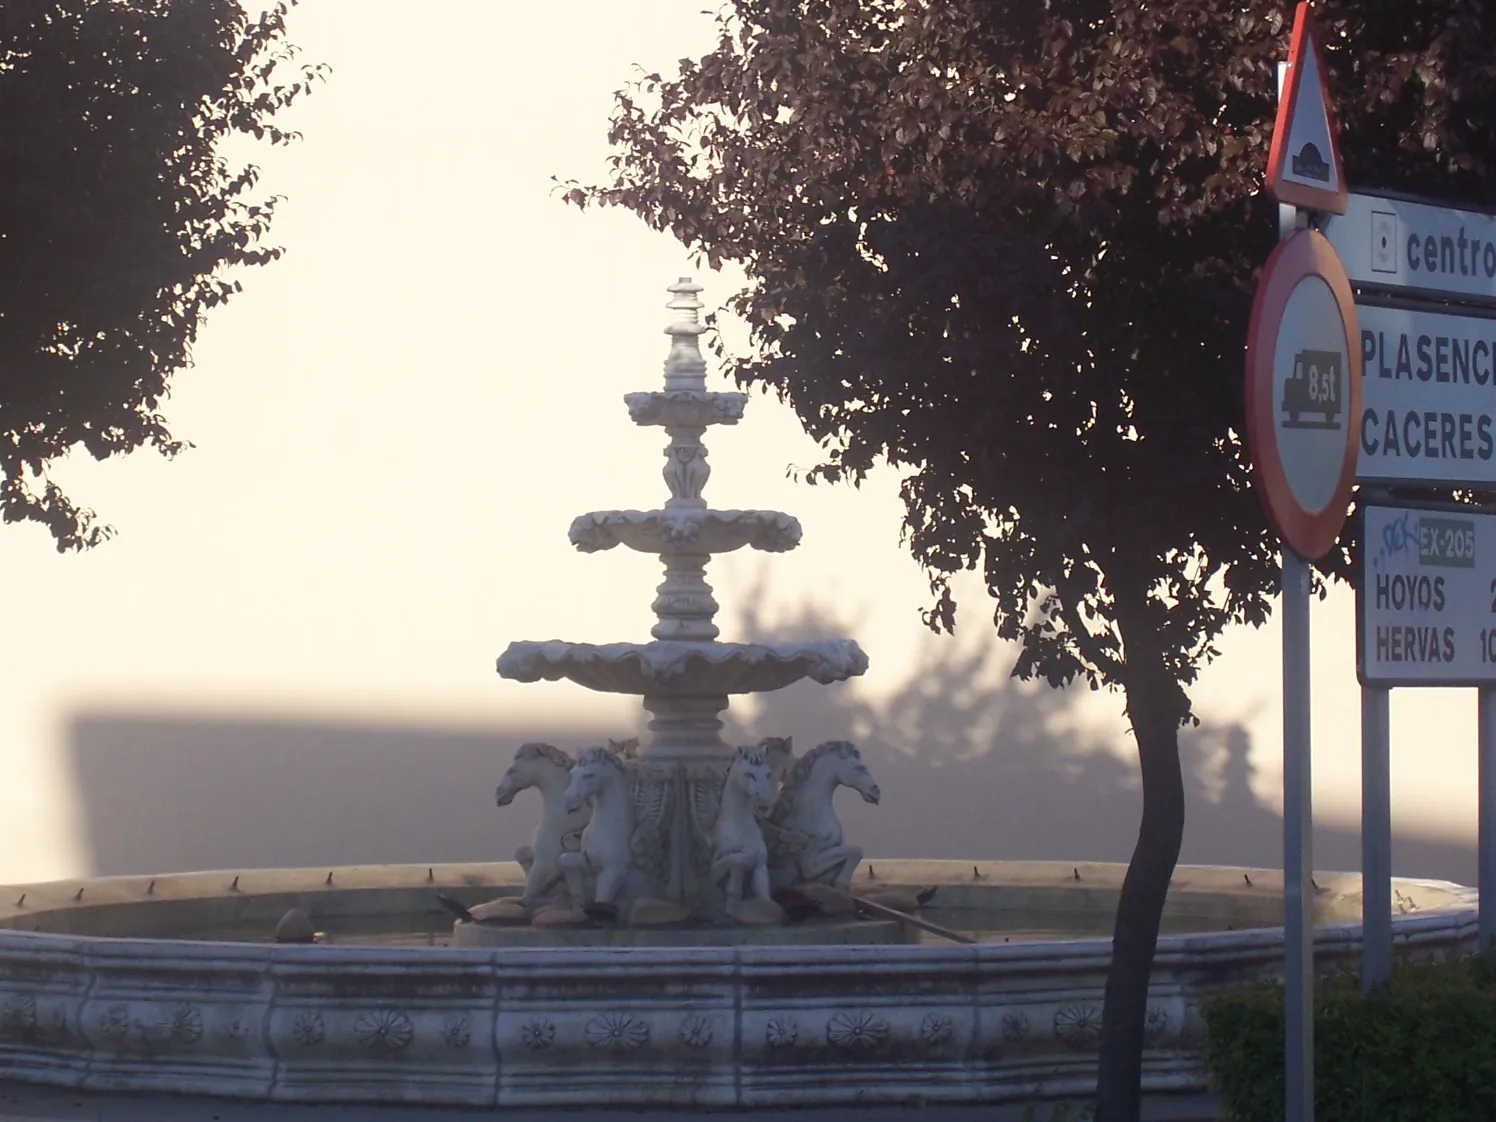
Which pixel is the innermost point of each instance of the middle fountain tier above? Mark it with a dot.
(685, 676)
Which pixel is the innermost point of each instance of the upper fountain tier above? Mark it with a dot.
(670, 669)
(685, 408)
(685, 530)
(685, 662)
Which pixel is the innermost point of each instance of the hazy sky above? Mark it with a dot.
(395, 424)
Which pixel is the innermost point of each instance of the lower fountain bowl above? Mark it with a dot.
(138, 984)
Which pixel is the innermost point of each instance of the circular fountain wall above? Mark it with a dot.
(96, 993)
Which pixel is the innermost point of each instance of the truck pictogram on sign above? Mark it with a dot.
(1314, 387)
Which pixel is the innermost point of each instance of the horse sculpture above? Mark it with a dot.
(611, 849)
(739, 856)
(547, 769)
(804, 836)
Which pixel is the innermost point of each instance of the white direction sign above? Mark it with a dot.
(1428, 397)
(1426, 612)
(1416, 248)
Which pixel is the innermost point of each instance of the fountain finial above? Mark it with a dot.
(685, 369)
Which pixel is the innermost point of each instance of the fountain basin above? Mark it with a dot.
(669, 668)
(685, 529)
(135, 1009)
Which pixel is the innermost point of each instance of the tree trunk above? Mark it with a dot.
(1156, 706)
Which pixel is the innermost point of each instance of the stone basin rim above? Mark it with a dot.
(23, 904)
(570, 1027)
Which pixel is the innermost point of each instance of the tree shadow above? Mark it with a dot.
(973, 765)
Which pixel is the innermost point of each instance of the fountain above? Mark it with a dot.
(676, 822)
(636, 954)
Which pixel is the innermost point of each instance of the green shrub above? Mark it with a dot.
(1424, 1050)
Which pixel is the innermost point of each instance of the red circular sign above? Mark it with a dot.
(1304, 392)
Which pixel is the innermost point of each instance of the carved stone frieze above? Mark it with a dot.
(686, 529)
(685, 408)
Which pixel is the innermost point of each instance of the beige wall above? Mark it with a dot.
(286, 657)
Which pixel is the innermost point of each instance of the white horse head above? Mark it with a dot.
(535, 765)
(780, 751)
(750, 774)
(805, 799)
(627, 749)
(596, 769)
(839, 763)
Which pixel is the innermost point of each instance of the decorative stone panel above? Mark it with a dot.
(735, 1026)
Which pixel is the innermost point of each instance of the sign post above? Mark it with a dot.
(1303, 396)
(1486, 828)
(1376, 838)
(1303, 406)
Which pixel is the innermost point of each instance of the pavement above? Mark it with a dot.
(25, 1103)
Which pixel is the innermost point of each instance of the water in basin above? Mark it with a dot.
(434, 929)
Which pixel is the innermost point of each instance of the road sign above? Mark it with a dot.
(1304, 392)
(1426, 614)
(1412, 248)
(1428, 397)
(1303, 163)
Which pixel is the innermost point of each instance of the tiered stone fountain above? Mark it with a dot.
(663, 839)
(151, 983)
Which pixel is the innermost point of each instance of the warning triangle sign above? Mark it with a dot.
(1303, 165)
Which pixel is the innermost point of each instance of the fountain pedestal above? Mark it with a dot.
(685, 677)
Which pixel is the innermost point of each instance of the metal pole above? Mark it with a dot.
(1298, 818)
(1376, 839)
(1486, 844)
(1298, 860)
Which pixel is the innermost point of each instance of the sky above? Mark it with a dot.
(394, 425)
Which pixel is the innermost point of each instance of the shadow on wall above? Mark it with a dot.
(973, 765)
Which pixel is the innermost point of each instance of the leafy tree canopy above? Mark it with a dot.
(119, 220)
(1011, 247)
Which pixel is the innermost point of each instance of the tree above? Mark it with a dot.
(1011, 248)
(119, 219)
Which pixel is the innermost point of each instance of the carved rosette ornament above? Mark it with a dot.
(857, 1031)
(384, 1032)
(781, 1031)
(1078, 1026)
(936, 1029)
(617, 1032)
(685, 676)
(537, 1033)
(18, 1015)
